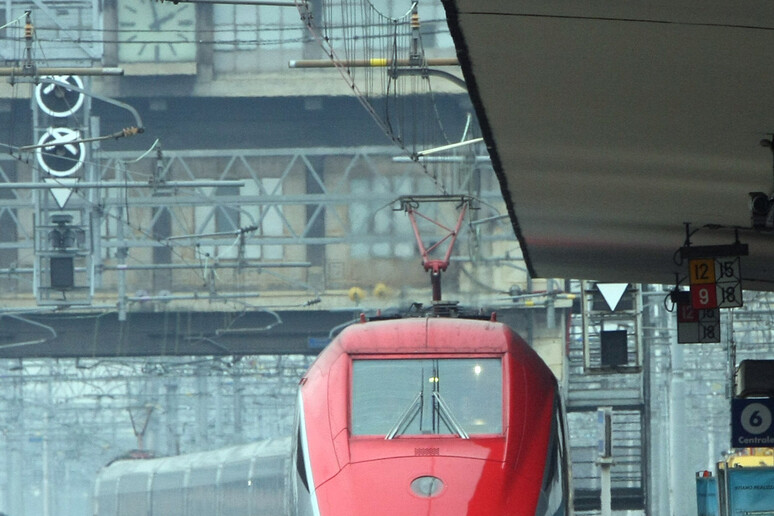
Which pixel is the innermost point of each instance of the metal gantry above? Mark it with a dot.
(238, 209)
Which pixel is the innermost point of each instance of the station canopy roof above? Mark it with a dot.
(612, 125)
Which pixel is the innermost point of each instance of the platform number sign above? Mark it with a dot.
(716, 282)
(729, 282)
(752, 424)
(697, 325)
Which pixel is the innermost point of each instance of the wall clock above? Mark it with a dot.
(155, 32)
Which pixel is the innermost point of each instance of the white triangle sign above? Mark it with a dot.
(612, 292)
(62, 195)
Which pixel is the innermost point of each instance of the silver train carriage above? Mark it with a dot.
(248, 480)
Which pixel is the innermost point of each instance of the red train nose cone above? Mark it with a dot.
(427, 486)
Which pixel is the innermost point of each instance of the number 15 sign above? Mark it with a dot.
(716, 283)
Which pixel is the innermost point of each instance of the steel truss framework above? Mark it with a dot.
(273, 207)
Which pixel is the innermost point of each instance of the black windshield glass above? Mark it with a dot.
(461, 396)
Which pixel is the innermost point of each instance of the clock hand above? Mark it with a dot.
(156, 25)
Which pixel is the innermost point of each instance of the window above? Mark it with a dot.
(371, 218)
(555, 491)
(431, 396)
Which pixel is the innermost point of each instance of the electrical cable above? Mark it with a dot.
(353, 30)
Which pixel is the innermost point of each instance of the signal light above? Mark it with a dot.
(62, 272)
(63, 240)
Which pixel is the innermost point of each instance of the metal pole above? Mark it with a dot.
(173, 444)
(269, 3)
(448, 147)
(122, 250)
(19, 468)
(120, 184)
(218, 403)
(237, 384)
(605, 496)
(605, 459)
(169, 266)
(678, 486)
(201, 407)
(46, 467)
(96, 214)
(375, 62)
(15, 71)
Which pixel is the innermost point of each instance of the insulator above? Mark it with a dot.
(28, 31)
(356, 294)
(415, 20)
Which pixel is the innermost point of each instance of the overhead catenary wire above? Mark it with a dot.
(367, 46)
(90, 36)
(389, 79)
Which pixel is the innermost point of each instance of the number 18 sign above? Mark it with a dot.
(716, 283)
(695, 325)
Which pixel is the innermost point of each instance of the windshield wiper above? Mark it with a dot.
(448, 417)
(407, 417)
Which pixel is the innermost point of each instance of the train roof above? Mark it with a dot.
(197, 460)
(428, 335)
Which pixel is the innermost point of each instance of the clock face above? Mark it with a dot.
(150, 31)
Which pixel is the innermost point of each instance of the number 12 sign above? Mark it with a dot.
(716, 283)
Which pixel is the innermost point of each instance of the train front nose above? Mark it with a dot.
(445, 486)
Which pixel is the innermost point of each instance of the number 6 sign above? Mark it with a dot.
(756, 418)
(751, 422)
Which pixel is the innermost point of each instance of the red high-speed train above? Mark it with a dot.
(429, 416)
(406, 417)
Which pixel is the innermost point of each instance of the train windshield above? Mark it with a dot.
(457, 396)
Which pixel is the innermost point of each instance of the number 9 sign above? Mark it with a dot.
(704, 296)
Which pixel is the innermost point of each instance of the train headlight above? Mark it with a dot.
(427, 486)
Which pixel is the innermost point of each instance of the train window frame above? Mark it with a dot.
(496, 427)
(555, 491)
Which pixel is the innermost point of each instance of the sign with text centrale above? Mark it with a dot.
(752, 422)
